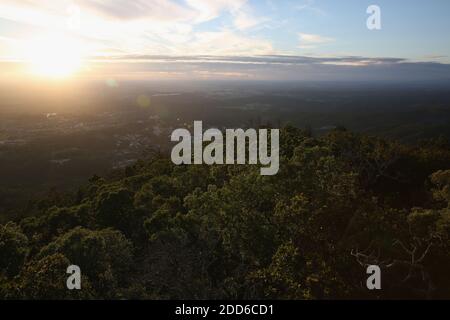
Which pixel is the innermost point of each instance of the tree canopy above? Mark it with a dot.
(340, 202)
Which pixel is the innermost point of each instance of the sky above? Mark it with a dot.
(229, 39)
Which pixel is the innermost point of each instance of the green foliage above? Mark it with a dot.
(46, 279)
(195, 232)
(441, 180)
(13, 249)
(105, 256)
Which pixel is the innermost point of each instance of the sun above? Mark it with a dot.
(54, 56)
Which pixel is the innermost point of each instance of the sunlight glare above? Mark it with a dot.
(54, 56)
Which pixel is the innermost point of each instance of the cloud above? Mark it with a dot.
(309, 41)
(158, 10)
(205, 74)
(241, 12)
(307, 4)
(39, 11)
(259, 67)
(288, 60)
(275, 67)
(244, 19)
(31, 12)
(175, 43)
(145, 26)
(211, 9)
(313, 38)
(143, 29)
(310, 6)
(227, 43)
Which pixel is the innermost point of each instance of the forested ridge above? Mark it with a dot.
(159, 231)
